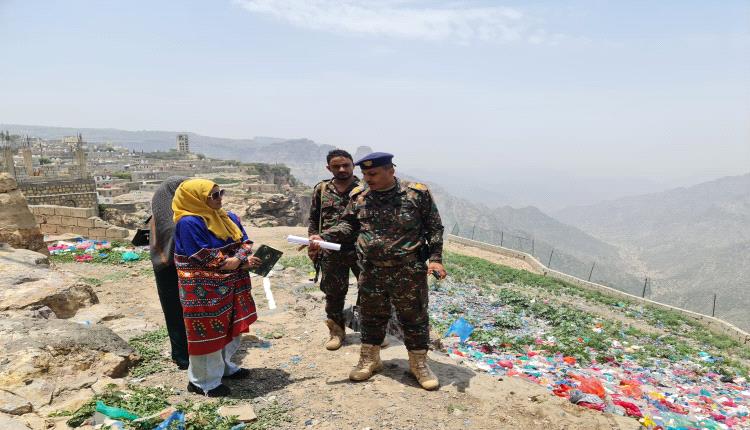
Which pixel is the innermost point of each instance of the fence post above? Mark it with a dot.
(502, 237)
(592, 270)
(472, 231)
(713, 309)
(645, 282)
(549, 262)
(532, 246)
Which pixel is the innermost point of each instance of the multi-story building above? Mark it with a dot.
(182, 143)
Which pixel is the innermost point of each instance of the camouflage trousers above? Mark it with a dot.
(334, 282)
(406, 288)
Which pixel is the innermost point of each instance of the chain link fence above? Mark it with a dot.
(666, 291)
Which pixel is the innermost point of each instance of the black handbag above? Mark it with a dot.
(142, 235)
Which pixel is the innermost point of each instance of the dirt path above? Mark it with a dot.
(493, 257)
(312, 382)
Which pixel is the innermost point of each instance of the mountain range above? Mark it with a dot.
(693, 241)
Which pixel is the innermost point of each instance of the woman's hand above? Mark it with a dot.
(251, 263)
(231, 263)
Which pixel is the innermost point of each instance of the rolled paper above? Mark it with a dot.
(269, 293)
(305, 241)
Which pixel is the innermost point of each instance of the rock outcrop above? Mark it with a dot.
(17, 224)
(266, 210)
(44, 357)
(41, 359)
(127, 219)
(27, 284)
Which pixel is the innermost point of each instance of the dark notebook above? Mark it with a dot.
(268, 257)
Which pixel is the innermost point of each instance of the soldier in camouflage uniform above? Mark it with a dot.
(330, 198)
(392, 221)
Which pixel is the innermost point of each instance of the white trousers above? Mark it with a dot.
(205, 371)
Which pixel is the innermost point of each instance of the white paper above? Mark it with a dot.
(305, 241)
(269, 294)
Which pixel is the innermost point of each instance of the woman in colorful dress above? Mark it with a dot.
(212, 255)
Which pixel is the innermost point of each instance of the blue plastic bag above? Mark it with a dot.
(177, 416)
(460, 328)
(130, 256)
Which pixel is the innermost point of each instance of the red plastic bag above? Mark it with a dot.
(674, 407)
(590, 385)
(569, 360)
(631, 409)
(600, 407)
(562, 390)
(631, 388)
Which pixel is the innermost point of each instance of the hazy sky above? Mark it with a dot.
(655, 92)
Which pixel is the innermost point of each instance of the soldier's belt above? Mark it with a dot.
(396, 262)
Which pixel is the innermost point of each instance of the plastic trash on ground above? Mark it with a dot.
(460, 328)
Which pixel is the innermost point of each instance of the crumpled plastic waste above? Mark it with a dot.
(130, 256)
(587, 400)
(631, 409)
(114, 412)
(590, 385)
(577, 396)
(681, 392)
(460, 328)
(176, 417)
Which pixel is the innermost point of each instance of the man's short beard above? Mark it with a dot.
(341, 175)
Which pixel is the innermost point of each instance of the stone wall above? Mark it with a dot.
(81, 221)
(713, 324)
(79, 193)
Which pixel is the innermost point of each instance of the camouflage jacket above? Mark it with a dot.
(331, 203)
(389, 225)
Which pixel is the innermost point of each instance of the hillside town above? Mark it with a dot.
(118, 184)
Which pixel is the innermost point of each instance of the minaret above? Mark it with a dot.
(28, 163)
(80, 157)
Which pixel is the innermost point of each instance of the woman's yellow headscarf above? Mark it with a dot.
(190, 199)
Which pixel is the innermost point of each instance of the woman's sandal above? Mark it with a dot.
(240, 374)
(220, 391)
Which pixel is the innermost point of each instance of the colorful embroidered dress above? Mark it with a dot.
(217, 305)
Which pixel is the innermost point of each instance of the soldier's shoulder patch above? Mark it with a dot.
(418, 186)
(358, 189)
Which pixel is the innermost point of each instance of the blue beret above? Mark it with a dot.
(375, 159)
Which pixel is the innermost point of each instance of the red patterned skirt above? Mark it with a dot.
(217, 306)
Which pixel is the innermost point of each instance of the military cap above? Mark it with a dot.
(375, 159)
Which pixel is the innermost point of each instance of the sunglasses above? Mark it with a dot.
(216, 195)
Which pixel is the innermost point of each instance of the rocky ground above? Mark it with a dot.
(57, 364)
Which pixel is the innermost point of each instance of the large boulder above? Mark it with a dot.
(27, 283)
(11, 423)
(272, 210)
(42, 359)
(122, 218)
(17, 225)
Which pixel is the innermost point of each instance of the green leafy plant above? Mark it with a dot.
(149, 347)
